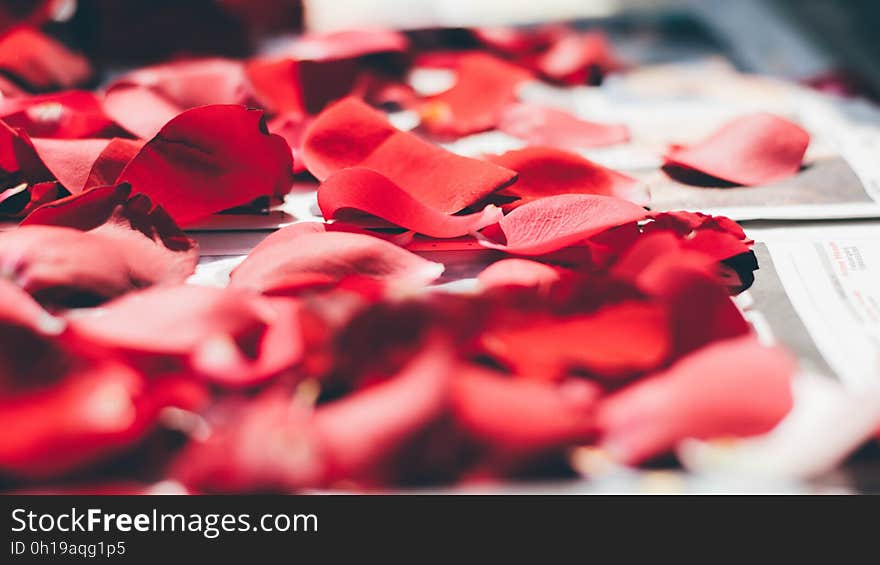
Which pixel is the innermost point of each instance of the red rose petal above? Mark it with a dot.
(517, 272)
(209, 159)
(750, 150)
(228, 336)
(521, 416)
(139, 110)
(145, 100)
(616, 341)
(546, 172)
(152, 244)
(552, 223)
(732, 388)
(40, 61)
(360, 433)
(350, 134)
(578, 58)
(72, 114)
(21, 200)
(89, 416)
(70, 160)
(333, 254)
(485, 85)
(538, 125)
(363, 190)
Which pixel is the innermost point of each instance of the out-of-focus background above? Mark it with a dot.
(795, 39)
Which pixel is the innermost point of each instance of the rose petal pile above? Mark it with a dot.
(337, 356)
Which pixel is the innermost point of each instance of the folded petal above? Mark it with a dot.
(552, 223)
(350, 134)
(209, 159)
(750, 150)
(362, 190)
(544, 171)
(539, 125)
(733, 388)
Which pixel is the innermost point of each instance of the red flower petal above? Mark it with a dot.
(70, 160)
(517, 272)
(546, 172)
(72, 114)
(485, 85)
(228, 336)
(152, 244)
(549, 348)
(145, 100)
(750, 150)
(317, 69)
(209, 159)
(359, 189)
(361, 433)
(538, 125)
(292, 254)
(520, 416)
(578, 58)
(91, 415)
(732, 388)
(552, 223)
(21, 200)
(350, 133)
(40, 61)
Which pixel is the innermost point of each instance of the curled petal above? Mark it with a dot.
(485, 85)
(750, 150)
(578, 58)
(552, 223)
(336, 255)
(734, 388)
(547, 172)
(209, 159)
(350, 134)
(363, 190)
(538, 125)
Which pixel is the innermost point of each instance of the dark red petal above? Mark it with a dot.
(518, 272)
(360, 434)
(735, 388)
(521, 416)
(750, 150)
(71, 114)
(333, 254)
(89, 416)
(21, 200)
(544, 171)
(552, 223)
(616, 341)
(350, 134)
(209, 159)
(538, 125)
(227, 336)
(485, 85)
(363, 190)
(701, 309)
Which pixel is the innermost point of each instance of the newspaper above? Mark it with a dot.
(817, 292)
